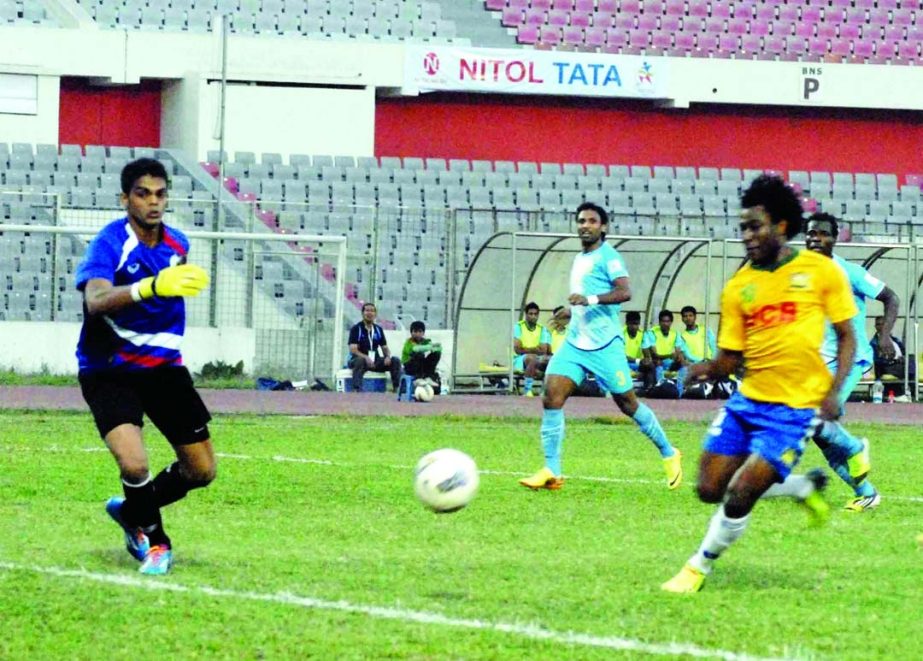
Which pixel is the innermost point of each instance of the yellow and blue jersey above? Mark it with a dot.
(776, 318)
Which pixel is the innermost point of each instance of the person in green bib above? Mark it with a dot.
(699, 342)
(633, 337)
(557, 327)
(531, 347)
(663, 347)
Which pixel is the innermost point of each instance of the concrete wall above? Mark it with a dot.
(34, 346)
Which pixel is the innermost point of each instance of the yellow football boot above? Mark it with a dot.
(816, 506)
(688, 580)
(544, 479)
(863, 503)
(673, 467)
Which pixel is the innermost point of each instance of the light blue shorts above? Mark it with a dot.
(855, 376)
(609, 365)
(519, 362)
(775, 432)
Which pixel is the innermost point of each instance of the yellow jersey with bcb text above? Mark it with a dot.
(776, 316)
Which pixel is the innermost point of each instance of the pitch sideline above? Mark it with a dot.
(530, 631)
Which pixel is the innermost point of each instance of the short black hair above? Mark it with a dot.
(139, 168)
(417, 326)
(557, 309)
(532, 305)
(778, 199)
(590, 206)
(823, 217)
(369, 304)
(632, 317)
(688, 308)
(665, 314)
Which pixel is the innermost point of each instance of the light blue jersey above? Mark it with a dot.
(864, 285)
(595, 326)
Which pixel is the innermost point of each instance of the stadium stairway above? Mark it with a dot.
(472, 22)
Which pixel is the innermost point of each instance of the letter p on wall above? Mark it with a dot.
(811, 86)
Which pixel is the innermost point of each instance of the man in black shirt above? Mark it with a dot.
(369, 350)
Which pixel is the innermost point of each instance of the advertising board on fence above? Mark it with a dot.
(431, 68)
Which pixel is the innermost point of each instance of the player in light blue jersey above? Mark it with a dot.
(846, 454)
(594, 345)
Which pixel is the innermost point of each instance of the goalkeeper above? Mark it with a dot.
(133, 278)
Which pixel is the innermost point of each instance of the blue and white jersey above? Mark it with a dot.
(144, 335)
(593, 273)
(864, 285)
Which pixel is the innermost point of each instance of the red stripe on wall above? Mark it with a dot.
(126, 116)
(593, 131)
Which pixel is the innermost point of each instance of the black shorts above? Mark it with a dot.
(165, 394)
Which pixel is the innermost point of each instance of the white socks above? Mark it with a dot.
(722, 532)
(794, 486)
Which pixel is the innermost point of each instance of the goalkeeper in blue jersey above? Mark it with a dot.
(846, 454)
(594, 345)
(133, 278)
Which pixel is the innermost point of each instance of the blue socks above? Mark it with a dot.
(681, 379)
(553, 438)
(527, 384)
(552, 431)
(840, 446)
(651, 428)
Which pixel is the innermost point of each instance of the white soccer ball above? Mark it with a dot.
(423, 392)
(446, 480)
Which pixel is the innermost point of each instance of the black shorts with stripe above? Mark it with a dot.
(165, 394)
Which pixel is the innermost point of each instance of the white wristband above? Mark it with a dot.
(592, 300)
(136, 292)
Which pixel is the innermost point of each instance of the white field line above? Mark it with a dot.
(345, 464)
(587, 478)
(530, 631)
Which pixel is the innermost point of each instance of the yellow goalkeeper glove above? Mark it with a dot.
(181, 280)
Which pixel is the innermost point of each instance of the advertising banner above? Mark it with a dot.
(430, 68)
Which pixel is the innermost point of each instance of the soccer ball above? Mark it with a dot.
(423, 392)
(446, 480)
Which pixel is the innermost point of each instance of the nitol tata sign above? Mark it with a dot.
(534, 72)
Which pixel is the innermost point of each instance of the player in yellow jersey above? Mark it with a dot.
(772, 321)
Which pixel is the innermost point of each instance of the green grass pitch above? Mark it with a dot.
(310, 545)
